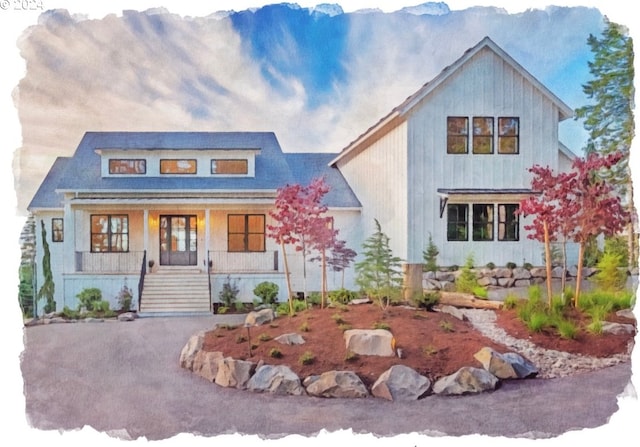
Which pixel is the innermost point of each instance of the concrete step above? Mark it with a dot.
(175, 291)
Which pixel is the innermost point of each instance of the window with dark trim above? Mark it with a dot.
(508, 135)
(179, 166)
(109, 233)
(508, 222)
(482, 135)
(226, 166)
(482, 222)
(246, 232)
(57, 229)
(457, 221)
(457, 135)
(127, 166)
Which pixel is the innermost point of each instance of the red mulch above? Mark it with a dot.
(433, 343)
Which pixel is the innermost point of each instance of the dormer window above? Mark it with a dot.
(229, 166)
(179, 166)
(127, 166)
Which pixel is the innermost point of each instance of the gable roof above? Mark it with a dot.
(273, 169)
(408, 104)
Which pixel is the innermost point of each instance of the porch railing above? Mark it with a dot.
(208, 267)
(87, 262)
(244, 262)
(143, 272)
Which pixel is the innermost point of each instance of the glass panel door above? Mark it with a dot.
(178, 240)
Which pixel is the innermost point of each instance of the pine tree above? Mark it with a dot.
(379, 273)
(430, 254)
(48, 287)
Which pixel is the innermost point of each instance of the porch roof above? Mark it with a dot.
(46, 196)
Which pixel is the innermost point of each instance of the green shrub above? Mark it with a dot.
(538, 321)
(527, 265)
(88, 298)
(534, 293)
(480, 292)
(125, 299)
(467, 281)
(239, 306)
(610, 275)
(381, 325)
(70, 313)
(511, 265)
(229, 292)
(618, 245)
(241, 338)
(304, 327)
(345, 327)
(267, 292)
(223, 310)
(264, 337)
(351, 356)
(429, 350)
(595, 327)
(275, 353)
(430, 255)
(446, 326)
(342, 296)
(490, 265)
(315, 298)
(427, 300)
(567, 329)
(307, 358)
(337, 318)
(511, 301)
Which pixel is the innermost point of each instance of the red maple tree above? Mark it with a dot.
(576, 205)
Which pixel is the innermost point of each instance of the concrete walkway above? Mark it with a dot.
(123, 379)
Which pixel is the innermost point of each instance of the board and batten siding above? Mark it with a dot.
(378, 177)
(485, 86)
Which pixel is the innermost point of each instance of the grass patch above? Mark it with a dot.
(307, 358)
(446, 326)
(241, 338)
(275, 353)
(304, 327)
(538, 321)
(338, 319)
(345, 327)
(264, 337)
(381, 325)
(429, 350)
(567, 329)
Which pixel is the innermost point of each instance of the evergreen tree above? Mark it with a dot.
(430, 254)
(379, 273)
(48, 287)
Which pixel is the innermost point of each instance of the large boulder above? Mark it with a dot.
(617, 328)
(259, 317)
(278, 379)
(205, 364)
(505, 366)
(521, 273)
(337, 384)
(369, 342)
(189, 351)
(465, 381)
(234, 373)
(401, 383)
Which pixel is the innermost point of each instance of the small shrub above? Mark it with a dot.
(337, 318)
(428, 300)
(527, 265)
(534, 293)
(125, 299)
(430, 255)
(511, 301)
(307, 358)
(490, 265)
(229, 292)
(467, 281)
(223, 310)
(345, 327)
(610, 277)
(315, 298)
(595, 327)
(264, 337)
(446, 326)
(342, 296)
(304, 327)
(239, 306)
(273, 324)
(429, 350)
(70, 313)
(381, 325)
(241, 338)
(89, 297)
(454, 268)
(567, 329)
(538, 321)
(480, 292)
(275, 353)
(267, 292)
(511, 265)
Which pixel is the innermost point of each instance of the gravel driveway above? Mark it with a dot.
(123, 379)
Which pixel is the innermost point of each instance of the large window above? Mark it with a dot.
(482, 222)
(508, 222)
(508, 135)
(109, 233)
(127, 166)
(457, 221)
(178, 166)
(246, 232)
(224, 166)
(57, 229)
(457, 135)
(482, 135)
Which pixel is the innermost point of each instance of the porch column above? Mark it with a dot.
(207, 240)
(69, 222)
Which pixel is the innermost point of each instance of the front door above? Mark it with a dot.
(178, 240)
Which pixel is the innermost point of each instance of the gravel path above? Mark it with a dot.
(551, 363)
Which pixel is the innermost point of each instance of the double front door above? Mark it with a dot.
(178, 240)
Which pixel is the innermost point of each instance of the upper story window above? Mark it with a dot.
(508, 135)
(457, 135)
(127, 166)
(179, 166)
(482, 135)
(230, 167)
(109, 233)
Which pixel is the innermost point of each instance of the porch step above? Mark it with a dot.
(180, 291)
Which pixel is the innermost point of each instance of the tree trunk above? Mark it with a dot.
(324, 279)
(563, 282)
(579, 275)
(459, 299)
(286, 275)
(547, 259)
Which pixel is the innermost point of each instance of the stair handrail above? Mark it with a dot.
(143, 272)
(209, 280)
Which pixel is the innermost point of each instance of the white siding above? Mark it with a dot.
(378, 177)
(485, 86)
